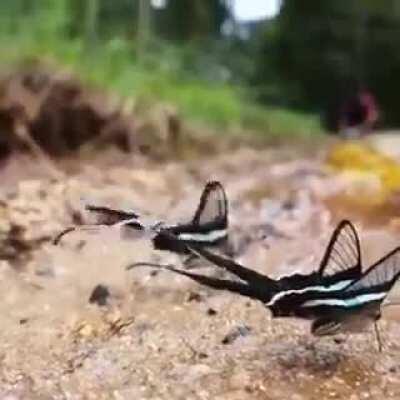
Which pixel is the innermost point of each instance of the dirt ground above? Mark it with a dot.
(161, 336)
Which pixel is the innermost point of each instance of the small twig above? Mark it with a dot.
(117, 326)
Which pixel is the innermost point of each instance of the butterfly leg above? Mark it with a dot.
(378, 337)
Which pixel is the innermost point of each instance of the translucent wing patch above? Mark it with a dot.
(381, 276)
(343, 251)
(213, 206)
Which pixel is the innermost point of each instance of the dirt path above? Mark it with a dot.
(162, 336)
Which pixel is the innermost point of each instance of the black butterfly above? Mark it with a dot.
(208, 227)
(336, 298)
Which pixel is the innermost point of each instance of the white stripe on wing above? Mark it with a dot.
(351, 302)
(331, 288)
(203, 237)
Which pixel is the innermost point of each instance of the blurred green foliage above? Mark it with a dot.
(209, 76)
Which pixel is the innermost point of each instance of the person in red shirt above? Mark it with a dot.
(359, 115)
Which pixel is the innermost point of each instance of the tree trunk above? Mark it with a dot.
(91, 20)
(144, 27)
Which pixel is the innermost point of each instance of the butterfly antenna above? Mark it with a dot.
(58, 238)
(87, 228)
(378, 336)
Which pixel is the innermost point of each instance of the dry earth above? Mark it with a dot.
(161, 336)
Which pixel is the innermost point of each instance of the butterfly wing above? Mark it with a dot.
(343, 254)
(360, 301)
(213, 207)
(380, 277)
(207, 228)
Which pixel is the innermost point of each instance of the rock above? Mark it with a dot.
(211, 312)
(194, 296)
(100, 295)
(235, 333)
(86, 330)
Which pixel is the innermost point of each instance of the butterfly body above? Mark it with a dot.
(295, 290)
(312, 304)
(289, 302)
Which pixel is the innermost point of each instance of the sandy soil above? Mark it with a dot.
(161, 336)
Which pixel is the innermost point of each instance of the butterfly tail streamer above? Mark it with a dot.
(214, 283)
(110, 213)
(97, 228)
(343, 252)
(380, 277)
(105, 217)
(253, 278)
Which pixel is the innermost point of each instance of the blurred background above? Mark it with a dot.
(271, 66)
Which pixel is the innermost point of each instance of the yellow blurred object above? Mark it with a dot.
(374, 177)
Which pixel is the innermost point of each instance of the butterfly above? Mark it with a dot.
(338, 297)
(207, 228)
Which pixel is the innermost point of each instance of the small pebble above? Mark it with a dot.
(211, 312)
(100, 295)
(240, 331)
